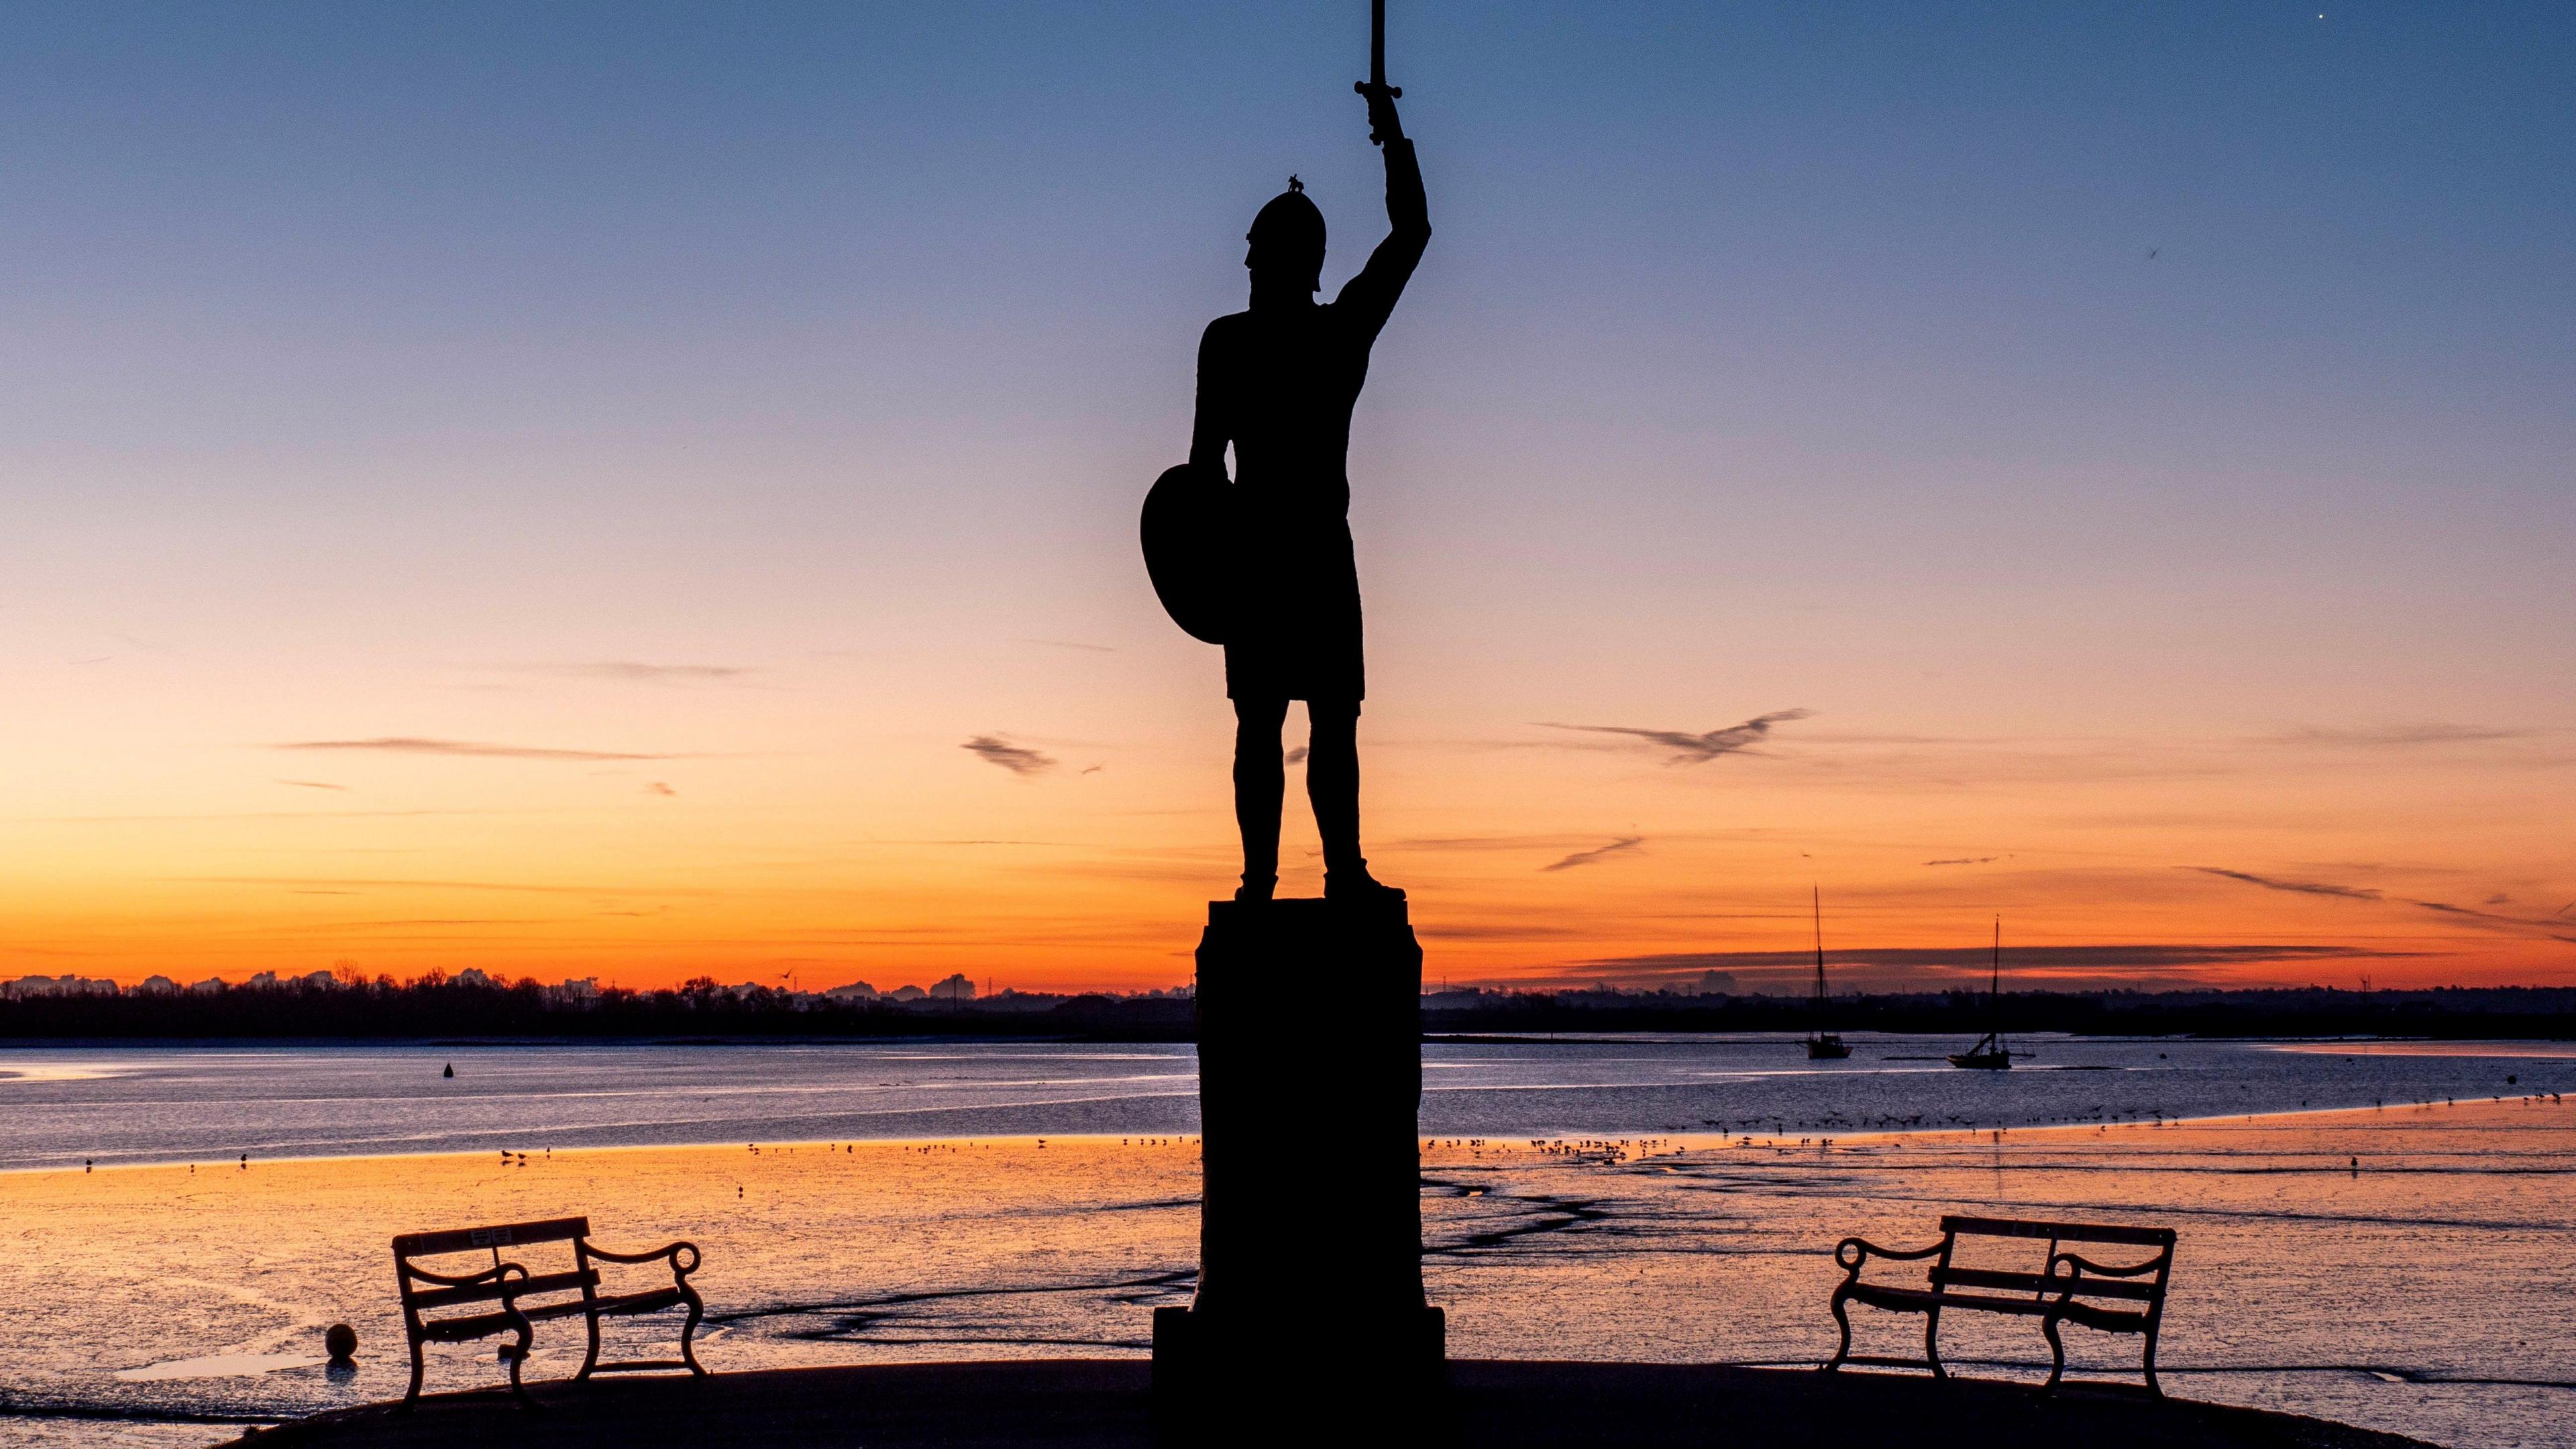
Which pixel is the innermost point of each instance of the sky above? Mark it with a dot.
(635, 492)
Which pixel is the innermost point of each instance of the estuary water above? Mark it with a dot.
(2379, 1233)
(66, 1107)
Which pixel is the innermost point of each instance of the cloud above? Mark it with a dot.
(1598, 854)
(1967, 860)
(1296, 756)
(2551, 927)
(417, 745)
(640, 673)
(1072, 644)
(1691, 749)
(1018, 759)
(2300, 887)
(2400, 736)
(309, 784)
(412, 883)
(1499, 931)
(658, 788)
(1931, 968)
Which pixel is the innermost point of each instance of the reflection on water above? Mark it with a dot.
(2405, 1268)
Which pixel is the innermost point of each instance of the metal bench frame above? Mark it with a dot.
(2057, 1295)
(510, 1284)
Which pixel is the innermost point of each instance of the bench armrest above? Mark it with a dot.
(496, 1273)
(679, 1270)
(1851, 1253)
(2086, 1265)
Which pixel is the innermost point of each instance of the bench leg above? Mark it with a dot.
(688, 1330)
(2153, 1387)
(1842, 1319)
(590, 1356)
(1932, 1343)
(2056, 1353)
(411, 1396)
(517, 1354)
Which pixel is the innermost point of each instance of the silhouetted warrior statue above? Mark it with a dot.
(1290, 1296)
(1278, 381)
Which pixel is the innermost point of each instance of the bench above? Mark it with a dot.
(2069, 1288)
(525, 1299)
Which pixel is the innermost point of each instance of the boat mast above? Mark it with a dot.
(1815, 897)
(1995, 987)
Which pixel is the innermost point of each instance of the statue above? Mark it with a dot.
(1264, 565)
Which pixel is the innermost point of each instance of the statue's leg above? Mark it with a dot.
(1260, 782)
(1333, 785)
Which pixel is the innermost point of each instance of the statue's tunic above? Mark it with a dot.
(1279, 384)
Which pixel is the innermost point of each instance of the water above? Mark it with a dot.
(2401, 1296)
(123, 1105)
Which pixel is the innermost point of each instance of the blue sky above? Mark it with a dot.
(1765, 357)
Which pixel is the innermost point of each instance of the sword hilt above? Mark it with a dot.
(1364, 88)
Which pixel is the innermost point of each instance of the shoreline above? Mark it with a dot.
(1675, 1141)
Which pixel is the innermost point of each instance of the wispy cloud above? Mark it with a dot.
(657, 787)
(478, 749)
(1072, 644)
(638, 672)
(1691, 749)
(1296, 756)
(309, 784)
(2552, 927)
(1934, 968)
(2401, 736)
(415, 883)
(2299, 887)
(1967, 860)
(1598, 854)
(1018, 759)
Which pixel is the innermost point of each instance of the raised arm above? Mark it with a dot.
(1370, 296)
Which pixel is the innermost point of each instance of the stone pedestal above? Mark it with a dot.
(1310, 1237)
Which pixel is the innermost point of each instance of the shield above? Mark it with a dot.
(1190, 547)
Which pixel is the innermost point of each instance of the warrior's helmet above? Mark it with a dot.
(1289, 234)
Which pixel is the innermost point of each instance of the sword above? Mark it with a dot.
(1377, 59)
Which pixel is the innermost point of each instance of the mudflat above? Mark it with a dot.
(1106, 1402)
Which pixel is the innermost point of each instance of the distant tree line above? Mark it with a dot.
(438, 1006)
(2451, 1013)
(435, 1006)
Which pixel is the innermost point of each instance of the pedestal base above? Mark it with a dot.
(1357, 1361)
(1310, 1223)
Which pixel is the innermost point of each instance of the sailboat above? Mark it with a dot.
(1822, 1045)
(1990, 1054)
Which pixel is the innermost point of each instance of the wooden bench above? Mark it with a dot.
(556, 1295)
(2069, 1288)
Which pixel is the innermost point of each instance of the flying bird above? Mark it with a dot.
(2151, 252)
(1691, 749)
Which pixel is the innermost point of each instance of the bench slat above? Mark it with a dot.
(518, 1288)
(498, 1235)
(2085, 1287)
(1924, 1300)
(2063, 1232)
(455, 1330)
(609, 1306)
